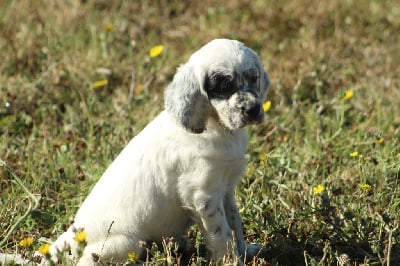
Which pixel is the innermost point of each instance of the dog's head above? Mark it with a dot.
(225, 80)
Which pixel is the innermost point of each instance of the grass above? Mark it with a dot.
(58, 132)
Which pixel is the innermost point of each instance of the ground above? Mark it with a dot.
(78, 81)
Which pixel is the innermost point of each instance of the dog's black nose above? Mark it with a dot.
(254, 111)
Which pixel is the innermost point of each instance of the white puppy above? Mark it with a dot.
(184, 166)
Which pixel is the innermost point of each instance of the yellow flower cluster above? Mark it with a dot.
(366, 187)
(80, 237)
(109, 27)
(132, 257)
(44, 249)
(267, 106)
(318, 189)
(26, 242)
(156, 50)
(138, 89)
(100, 83)
(348, 95)
(263, 158)
(250, 171)
(354, 154)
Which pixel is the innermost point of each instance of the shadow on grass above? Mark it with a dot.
(326, 250)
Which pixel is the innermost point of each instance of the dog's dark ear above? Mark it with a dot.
(186, 99)
(264, 84)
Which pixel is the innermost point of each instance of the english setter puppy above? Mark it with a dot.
(182, 168)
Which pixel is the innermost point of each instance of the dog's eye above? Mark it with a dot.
(220, 85)
(253, 76)
(253, 79)
(223, 82)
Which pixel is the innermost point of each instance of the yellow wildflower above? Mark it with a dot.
(348, 95)
(26, 242)
(354, 154)
(44, 249)
(398, 155)
(138, 89)
(262, 157)
(381, 140)
(109, 27)
(267, 106)
(366, 187)
(100, 83)
(318, 189)
(250, 171)
(132, 257)
(80, 237)
(156, 50)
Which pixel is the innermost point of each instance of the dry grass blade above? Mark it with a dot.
(33, 203)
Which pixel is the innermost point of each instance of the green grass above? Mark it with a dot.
(58, 133)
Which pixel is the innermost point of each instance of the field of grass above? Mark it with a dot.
(323, 180)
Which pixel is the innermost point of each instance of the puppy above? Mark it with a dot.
(182, 168)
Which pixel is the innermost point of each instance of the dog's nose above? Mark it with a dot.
(255, 112)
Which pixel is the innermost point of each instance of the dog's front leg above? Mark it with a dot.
(235, 222)
(211, 213)
(246, 252)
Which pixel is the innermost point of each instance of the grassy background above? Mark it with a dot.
(58, 132)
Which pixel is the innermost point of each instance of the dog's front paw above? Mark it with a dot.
(254, 250)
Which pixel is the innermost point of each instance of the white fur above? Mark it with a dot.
(181, 168)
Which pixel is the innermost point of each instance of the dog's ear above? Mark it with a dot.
(264, 84)
(186, 99)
